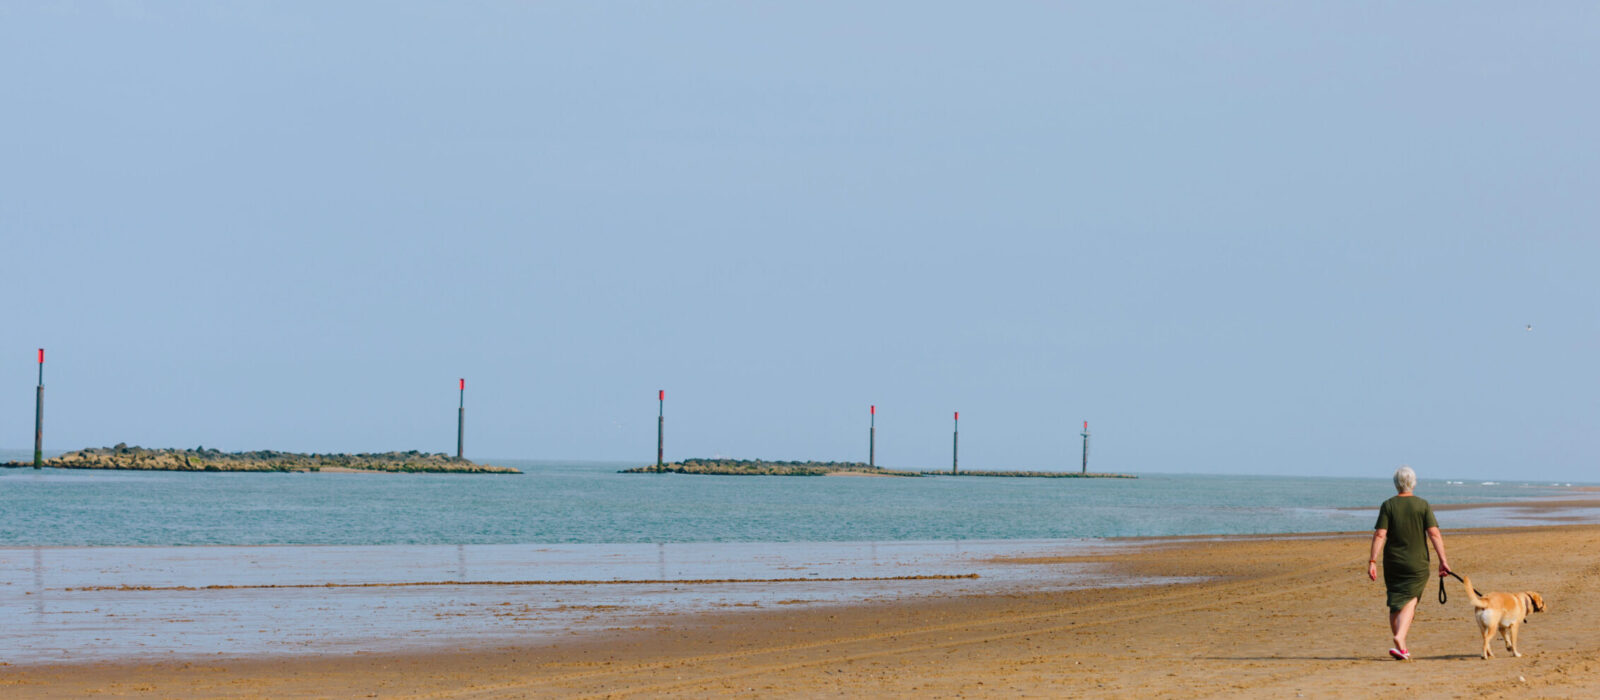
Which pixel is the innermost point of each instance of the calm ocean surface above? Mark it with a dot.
(556, 502)
(102, 564)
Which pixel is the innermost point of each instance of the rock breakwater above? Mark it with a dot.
(201, 459)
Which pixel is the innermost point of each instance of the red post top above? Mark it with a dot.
(874, 409)
(661, 395)
(1086, 425)
(41, 356)
(958, 415)
(463, 384)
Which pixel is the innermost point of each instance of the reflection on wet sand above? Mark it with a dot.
(178, 602)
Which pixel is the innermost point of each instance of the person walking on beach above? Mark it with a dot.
(1405, 527)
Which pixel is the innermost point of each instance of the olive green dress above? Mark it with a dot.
(1405, 552)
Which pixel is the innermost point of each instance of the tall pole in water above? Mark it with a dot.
(872, 438)
(661, 429)
(955, 445)
(38, 417)
(1085, 447)
(461, 418)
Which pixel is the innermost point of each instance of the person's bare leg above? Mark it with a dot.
(1400, 623)
(1394, 625)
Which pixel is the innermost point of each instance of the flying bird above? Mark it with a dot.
(1529, 327)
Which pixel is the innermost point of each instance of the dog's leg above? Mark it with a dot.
(1488, 635)
(1511, 638)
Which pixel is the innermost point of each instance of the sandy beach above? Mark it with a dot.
(1271, 617)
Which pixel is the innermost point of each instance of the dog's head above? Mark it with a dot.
(1535, 601)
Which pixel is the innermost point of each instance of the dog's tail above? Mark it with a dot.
(1472, 594)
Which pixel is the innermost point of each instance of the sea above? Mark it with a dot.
(591, 503)
(125, 565)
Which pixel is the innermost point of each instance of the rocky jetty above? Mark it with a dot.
(1035, 474)
(201, 459)
(762, 467)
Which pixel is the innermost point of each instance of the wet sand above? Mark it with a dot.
(1273, 618)
(1541, 506)
(86, 604)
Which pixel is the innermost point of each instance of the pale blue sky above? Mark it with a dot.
(1282, 238)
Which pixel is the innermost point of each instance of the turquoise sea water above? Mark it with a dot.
(102, 565)
(556, 502)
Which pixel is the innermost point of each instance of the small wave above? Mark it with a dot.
(1490, 483)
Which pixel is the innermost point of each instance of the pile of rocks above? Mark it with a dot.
(121, 456)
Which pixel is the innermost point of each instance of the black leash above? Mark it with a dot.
(1443, 597)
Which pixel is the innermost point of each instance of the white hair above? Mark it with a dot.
(1404, 479)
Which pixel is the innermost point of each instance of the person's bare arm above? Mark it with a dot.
(1437, 538)
(1378, 537)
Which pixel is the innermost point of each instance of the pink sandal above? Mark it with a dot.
(1400, 654)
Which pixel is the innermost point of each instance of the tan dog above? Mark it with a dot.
(1504, 612)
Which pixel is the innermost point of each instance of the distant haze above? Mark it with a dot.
(1241, 238)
